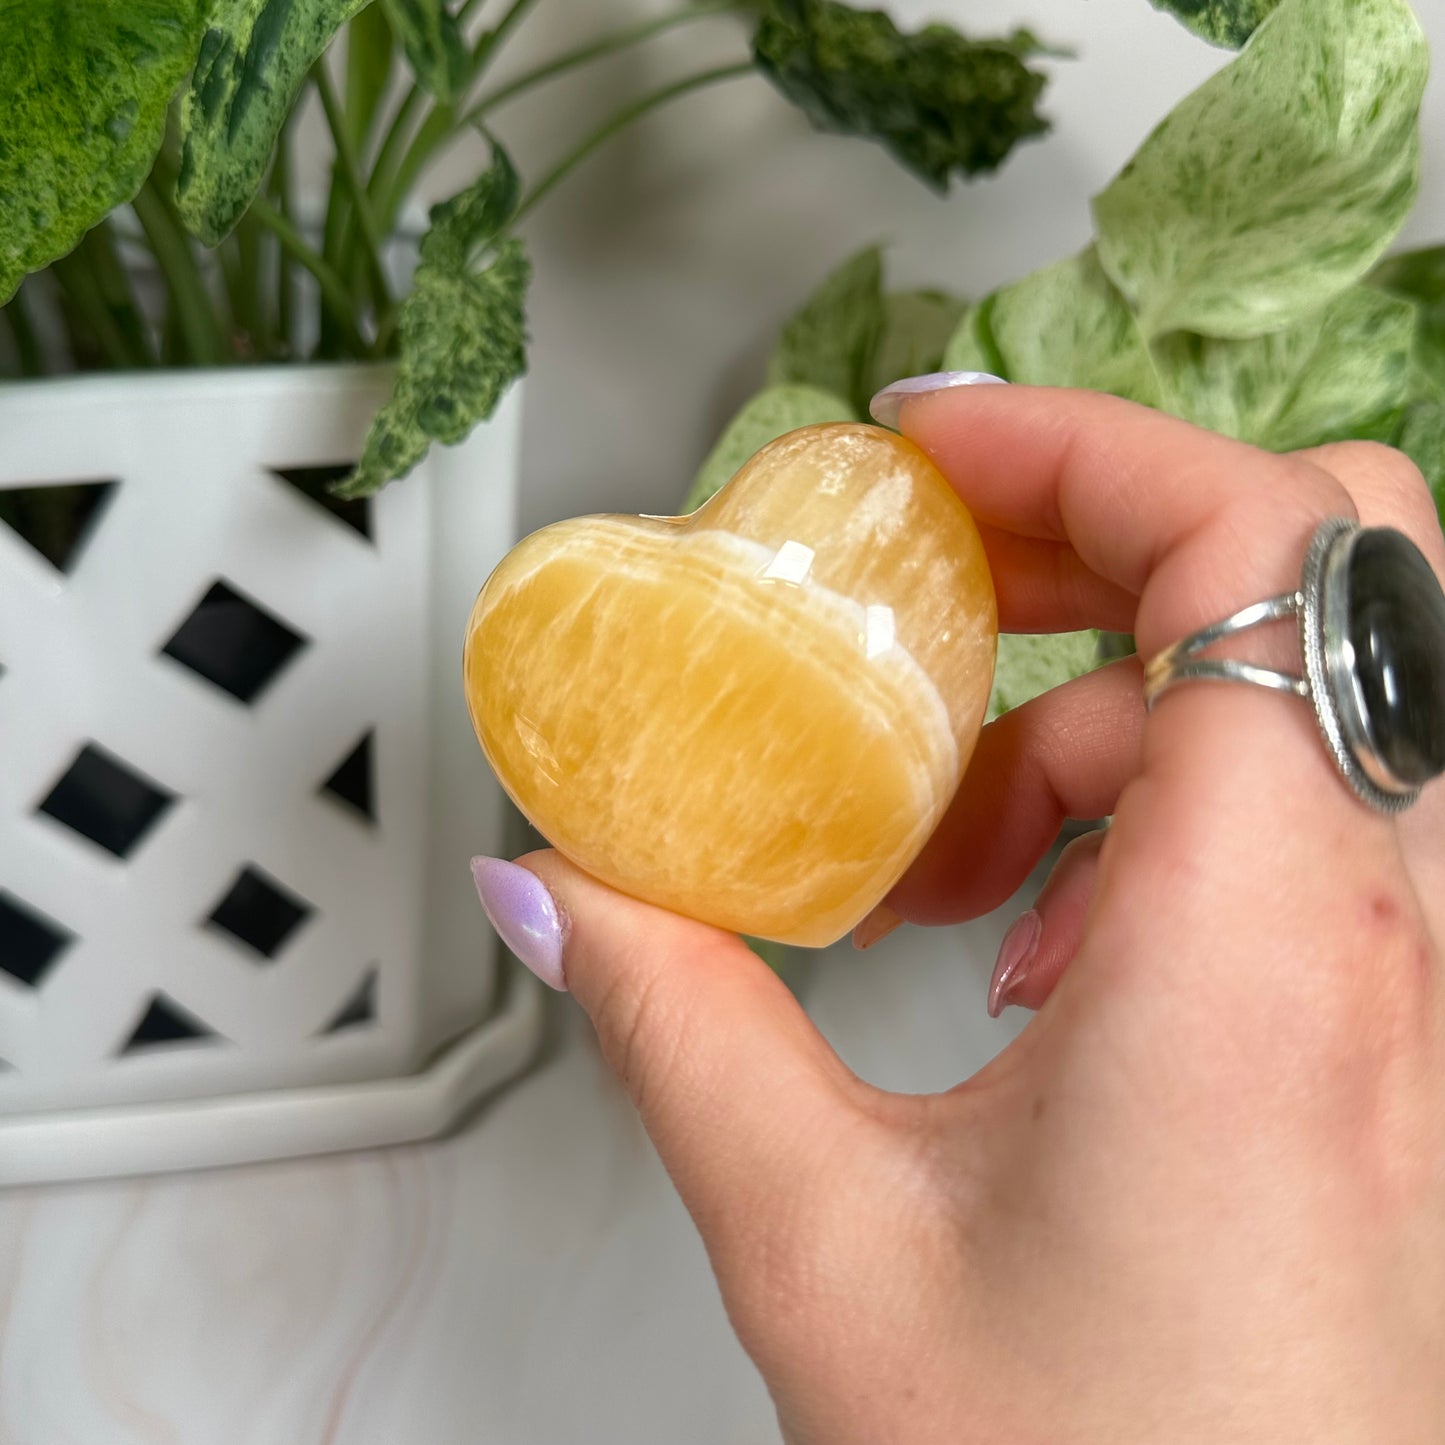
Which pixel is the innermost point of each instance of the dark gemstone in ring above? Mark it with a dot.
(1397, 635)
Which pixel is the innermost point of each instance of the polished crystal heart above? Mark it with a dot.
(755, 715)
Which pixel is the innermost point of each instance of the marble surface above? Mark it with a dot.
(532, 1280)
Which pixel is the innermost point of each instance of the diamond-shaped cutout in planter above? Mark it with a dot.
(315, 483)
(351, 782)
(55, 520)
(106, 801)
(29, 943)
(358, 1010)
(234, 642)
(259, 912)
(166, 1022)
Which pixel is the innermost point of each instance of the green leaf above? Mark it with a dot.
(85, 84)
(916, 328)
(770, 414)
(971, 346)
(1223, 22)
(938, 102)
(1422, 439)
(1280, 181)
(831, 340)
(434, 45)
(1420, 276)
(1030, 663)
(369, 46)
(1327, 375)
(1067, 325)
(253, 60)
(462, 329)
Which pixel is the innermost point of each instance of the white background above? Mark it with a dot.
(533, 1281)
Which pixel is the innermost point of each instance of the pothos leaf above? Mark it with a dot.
(939, 102)
(1030, 663)
(769, 415)
(916, 328)
(462, 330)
(1420, 276)
(253, 59)
(971, 347)
(1325, 376)
(85, 84)
(1422, 438)
(1067, 325)
(1224, 22)
(830, 341)
(433, 42)
(1280, 181)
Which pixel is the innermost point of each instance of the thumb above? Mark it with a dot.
(735, 1086)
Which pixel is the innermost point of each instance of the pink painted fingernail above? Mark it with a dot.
(1015, 958)
(525, 916)
(877, 925)
(885, 407)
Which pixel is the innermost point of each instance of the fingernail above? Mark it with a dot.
(1015, 958)
(878, 924)
(885, 407)
(525, 916)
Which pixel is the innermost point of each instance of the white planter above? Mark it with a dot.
(348, 992)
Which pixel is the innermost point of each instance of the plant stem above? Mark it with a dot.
(189, 299)
(621, 121)
(595, 50)
(27, 345)
(333, 290)
(492, 40)
(355, 184)
(391, 181)
(78, 285)
(114, 288)
(281, 194)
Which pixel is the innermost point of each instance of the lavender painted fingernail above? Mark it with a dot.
(525, 916)
(885, 407)
(1015, 958)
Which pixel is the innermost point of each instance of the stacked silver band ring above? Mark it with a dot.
(1372, 635)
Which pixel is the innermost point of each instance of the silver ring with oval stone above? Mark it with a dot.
(1372, 634)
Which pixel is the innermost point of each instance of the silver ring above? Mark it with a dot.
(1372, 635)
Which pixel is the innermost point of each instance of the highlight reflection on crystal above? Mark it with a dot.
(754, 715)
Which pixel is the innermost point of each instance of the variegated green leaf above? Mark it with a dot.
(1067, 325)
(1325, 376)
(1280, 181)
(1223, 22)
(1422, 439)
(1030, 663)
(84, 86)
(253, 60)
(831, 340)
(942, 104)
(433, 42)
(1420, 276)
(462, 328)
(770, 414)
(971, 348)
(916, 328)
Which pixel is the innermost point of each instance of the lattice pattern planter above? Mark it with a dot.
(238, 788)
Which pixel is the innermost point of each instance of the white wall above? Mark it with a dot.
(665, 266)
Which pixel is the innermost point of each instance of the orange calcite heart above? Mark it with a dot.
(755, 715)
